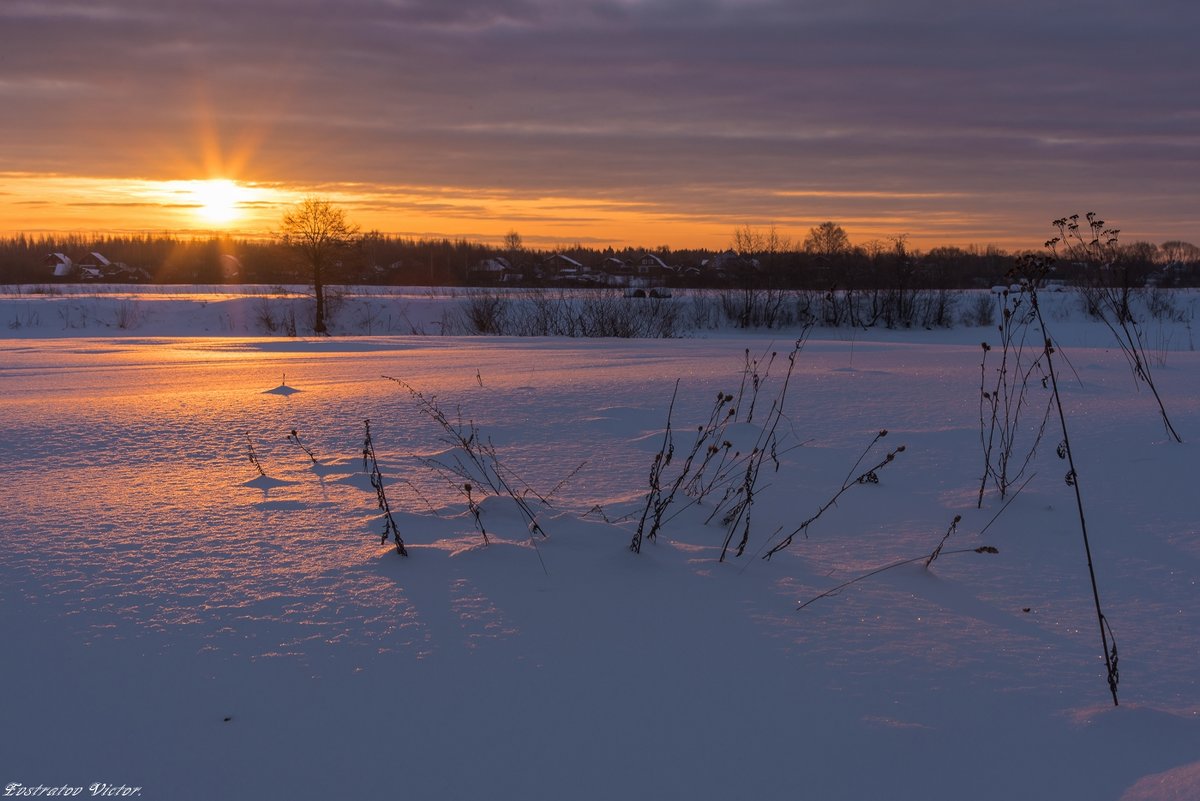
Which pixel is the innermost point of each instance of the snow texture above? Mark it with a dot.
(173, 621)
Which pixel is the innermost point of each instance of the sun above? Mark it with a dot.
(218, 200)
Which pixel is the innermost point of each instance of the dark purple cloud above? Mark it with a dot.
(1007, 114)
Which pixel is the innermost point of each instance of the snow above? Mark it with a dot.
(174, 621)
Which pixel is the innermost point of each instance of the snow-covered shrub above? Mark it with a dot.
(980, 311)
(486, 313)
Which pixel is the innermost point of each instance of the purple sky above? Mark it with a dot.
(953, 122)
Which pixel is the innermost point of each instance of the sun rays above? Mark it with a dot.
(219, 200)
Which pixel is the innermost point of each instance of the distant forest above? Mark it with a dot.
(754, 257)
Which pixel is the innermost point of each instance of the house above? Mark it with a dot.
(490, 271)
(60, 263)
(562, 267)
(728, 264)
(616, 266)
(652, 266)
(95, 267)
(614, 271)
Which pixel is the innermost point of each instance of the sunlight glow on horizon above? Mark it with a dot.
(56, 204)
(220, 200)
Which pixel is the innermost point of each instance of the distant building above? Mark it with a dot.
(615, 266)
(563, 267)
(728, 264)
(652, 266)
(95, 267)
(61, 264)
(490, 271)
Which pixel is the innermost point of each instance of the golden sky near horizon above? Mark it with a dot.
(221, 206)
(628, 122)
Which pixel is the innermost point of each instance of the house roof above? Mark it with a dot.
(497, 264)
(567, 259)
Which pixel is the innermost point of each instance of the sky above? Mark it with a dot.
(603, 122)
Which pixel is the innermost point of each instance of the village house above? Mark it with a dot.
(60, 264)
(728, 264)
(495, 270)
(95, 267)
(563, 268)
(651, 266)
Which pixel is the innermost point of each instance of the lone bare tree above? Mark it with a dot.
(827, 239)
(318, 230)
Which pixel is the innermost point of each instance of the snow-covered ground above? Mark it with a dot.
(174, 621)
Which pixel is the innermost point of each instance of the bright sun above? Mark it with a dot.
(218, 199)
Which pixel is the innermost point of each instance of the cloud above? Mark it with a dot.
(638, 99)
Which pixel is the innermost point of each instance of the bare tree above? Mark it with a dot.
(1179, 252)
(318, 230)
(514, 248)
(762, 299)
(513, 242)
(757, 243)
(828, 239)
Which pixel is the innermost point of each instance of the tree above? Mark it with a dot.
(512, 242)
(1178, 252)
(828, 239)
(513, 248)
(318, 230)
(762, 299)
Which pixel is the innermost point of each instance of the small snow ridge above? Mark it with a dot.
(283, 388)
(266, 482)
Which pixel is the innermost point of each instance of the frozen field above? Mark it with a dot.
(172, 621)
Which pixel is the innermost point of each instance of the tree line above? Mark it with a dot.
(823, 260)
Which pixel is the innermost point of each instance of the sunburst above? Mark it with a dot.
(218, 200)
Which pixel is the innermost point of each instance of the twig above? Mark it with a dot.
(937, 551)
(294, 438)
(835, 590)
(661, 460)
(1037, 266)
(254, 458)
(863, 478)
(389, 523)
(481, 454)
